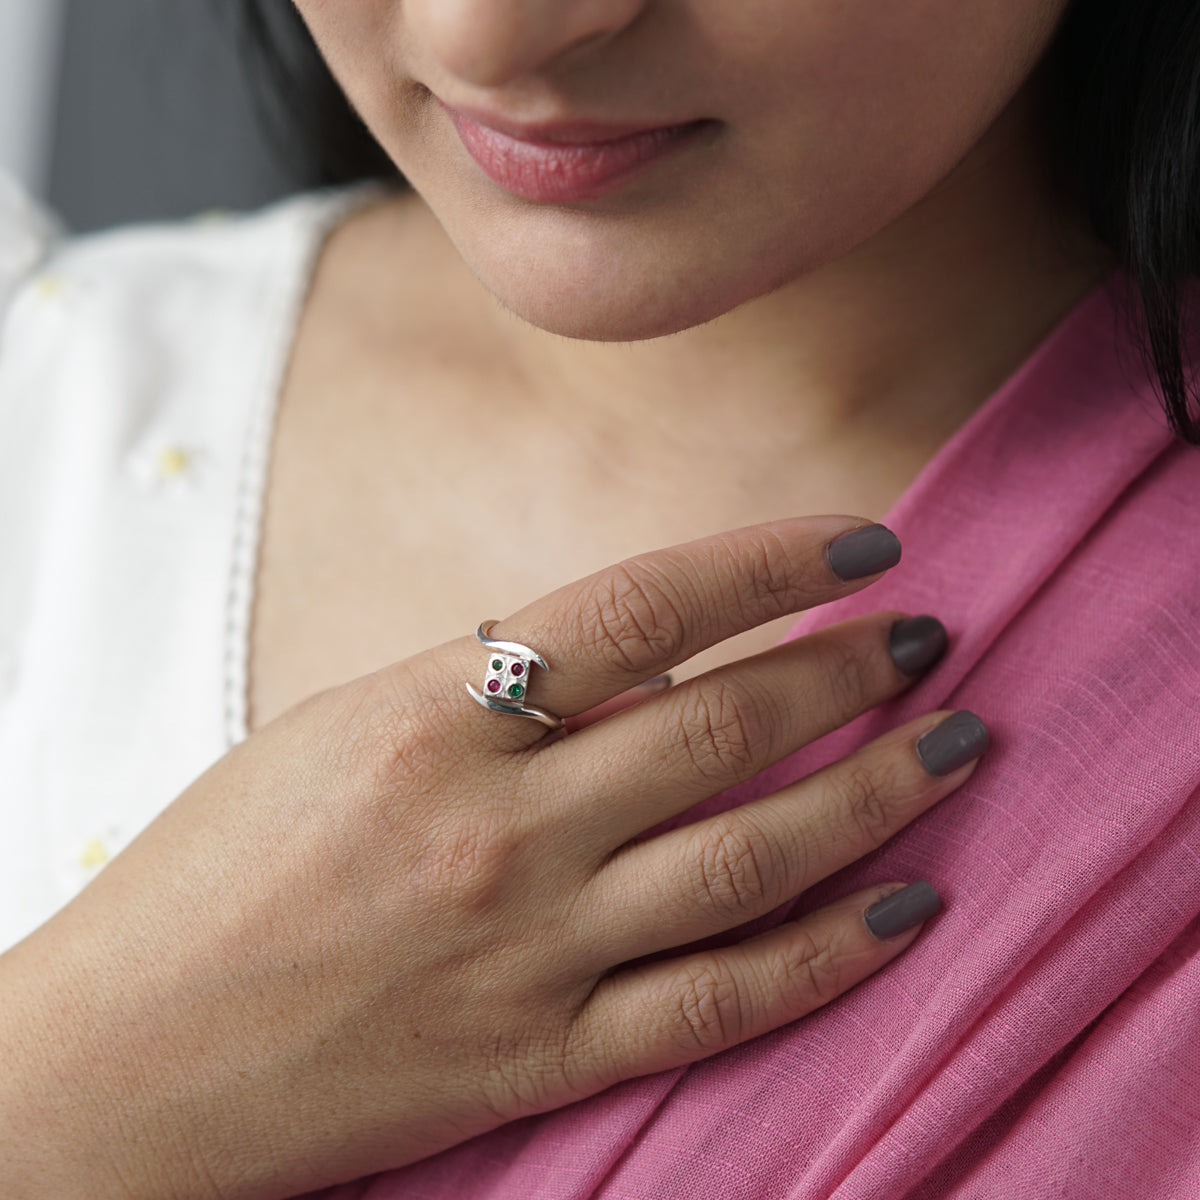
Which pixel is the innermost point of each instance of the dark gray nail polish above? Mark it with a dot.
(863, 552)
(916, 643)
(902, 910)
(961, 737)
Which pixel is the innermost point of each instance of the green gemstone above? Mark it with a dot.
(497, 665)
(516, 690)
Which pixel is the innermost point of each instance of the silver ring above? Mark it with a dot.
(507, 680)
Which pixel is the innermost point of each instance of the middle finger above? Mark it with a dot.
(656, 760)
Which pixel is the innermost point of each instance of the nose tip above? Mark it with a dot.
(490, 43)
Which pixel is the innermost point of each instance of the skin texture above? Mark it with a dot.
(348, 905)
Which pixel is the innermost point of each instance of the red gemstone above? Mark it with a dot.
(518, 668)
(493, 685)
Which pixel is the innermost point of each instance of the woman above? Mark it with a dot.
(386, 919)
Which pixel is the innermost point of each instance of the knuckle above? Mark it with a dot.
(767, 577)
(405, 725)
(707, 1015)
(636, 617)
(589, 1058)
(398, 743)
(366, 727)
(849, 678)
(722, 731)
(814, 970)
(736, 868)
(471, 872)
(517, 1076)
(468, 858)
(864, 802)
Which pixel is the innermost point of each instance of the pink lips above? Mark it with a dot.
(566, 163)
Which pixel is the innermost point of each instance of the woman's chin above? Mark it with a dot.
(631, 322)
(621, 314)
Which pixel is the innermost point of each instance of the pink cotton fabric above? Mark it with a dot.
(1040, 1039)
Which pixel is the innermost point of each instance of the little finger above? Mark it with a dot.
(662, 1015)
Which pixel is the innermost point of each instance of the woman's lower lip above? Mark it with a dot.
(563, 172)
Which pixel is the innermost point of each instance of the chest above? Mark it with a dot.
(374, 551)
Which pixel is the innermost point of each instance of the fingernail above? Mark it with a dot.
(863, 552)
(916, 643)
(902, 910)
(961, 737)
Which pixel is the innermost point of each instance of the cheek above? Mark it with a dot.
(845, 115)
(359, 41)
(868, 102)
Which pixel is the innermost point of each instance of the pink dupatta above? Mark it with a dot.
(1042, 1036)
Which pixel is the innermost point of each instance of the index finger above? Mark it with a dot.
(626, 624)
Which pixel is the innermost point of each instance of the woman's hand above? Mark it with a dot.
(391, 920)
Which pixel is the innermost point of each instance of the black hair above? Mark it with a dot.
(1124, 134)
(312, 126)
(1126, 145)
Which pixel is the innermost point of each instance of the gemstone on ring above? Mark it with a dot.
(504, 684)
(503, 669)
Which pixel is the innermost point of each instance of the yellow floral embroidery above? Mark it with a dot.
(95, 854)
(173, 462)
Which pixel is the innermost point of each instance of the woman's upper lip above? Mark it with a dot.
(560, 133)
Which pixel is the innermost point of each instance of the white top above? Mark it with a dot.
(139, 371)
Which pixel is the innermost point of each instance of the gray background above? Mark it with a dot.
(154, 116)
